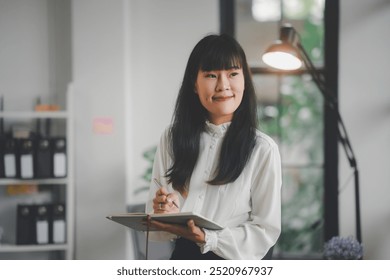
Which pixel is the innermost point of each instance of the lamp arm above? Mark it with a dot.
(332, 103)
(318, 79)
(343, 137)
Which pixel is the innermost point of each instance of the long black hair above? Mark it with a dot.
(213, 52)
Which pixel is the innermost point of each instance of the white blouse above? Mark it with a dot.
(249, 209)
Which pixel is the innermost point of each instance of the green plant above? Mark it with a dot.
(148, 155)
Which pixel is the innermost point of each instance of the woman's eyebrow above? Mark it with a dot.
(234, 67)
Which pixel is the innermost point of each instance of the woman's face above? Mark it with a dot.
(220, 92)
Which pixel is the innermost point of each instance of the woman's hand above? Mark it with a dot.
(191, 231)
(165, 202)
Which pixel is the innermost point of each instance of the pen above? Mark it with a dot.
(160, 186)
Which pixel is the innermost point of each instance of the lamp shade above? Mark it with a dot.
(282, 55)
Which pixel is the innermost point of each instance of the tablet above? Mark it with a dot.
(137, 221)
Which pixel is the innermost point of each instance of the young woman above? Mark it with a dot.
(213, 161)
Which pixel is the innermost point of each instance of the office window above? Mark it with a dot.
(290, 111)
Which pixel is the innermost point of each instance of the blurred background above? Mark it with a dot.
(112, 70)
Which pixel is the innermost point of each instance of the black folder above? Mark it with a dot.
(2, 147)
(2, 139)
(43, 158)
(26, 148)
(25, 224)
(59, 157)
(42, 223)
(11, 168)
(58, 223)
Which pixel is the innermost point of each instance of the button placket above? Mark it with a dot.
(212, 146)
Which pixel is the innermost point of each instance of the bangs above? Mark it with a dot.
(221, 55)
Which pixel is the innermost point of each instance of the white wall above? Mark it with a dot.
(365, 105)
(99, 82)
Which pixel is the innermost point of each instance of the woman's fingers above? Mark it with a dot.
(173, 200)
(162, 191)
(191, 225)
(165, 202)
(191, 231)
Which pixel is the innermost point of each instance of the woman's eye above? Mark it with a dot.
(233, 74)
(209, 75)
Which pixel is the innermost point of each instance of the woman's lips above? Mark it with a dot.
(222, 98)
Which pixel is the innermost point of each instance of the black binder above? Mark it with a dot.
(2, 147)
(26, 157)
(25, 225)
(58, 223)
(11, 168)
(42, 223)
(43, 158)
(59, 157)
(2, 140)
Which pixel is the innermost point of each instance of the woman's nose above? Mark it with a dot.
(223, 83)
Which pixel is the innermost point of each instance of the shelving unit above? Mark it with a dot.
(54, 183)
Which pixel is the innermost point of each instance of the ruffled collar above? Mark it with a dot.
(217, 130)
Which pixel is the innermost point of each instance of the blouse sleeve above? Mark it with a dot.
(253, 239)
(162, 161)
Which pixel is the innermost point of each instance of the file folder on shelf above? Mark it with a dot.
(42, 221)
(26, 158)
(9, 158)
(43, 159)
(2, 147)
(25, 225)
(59, 157)
(58, 223)
(2, 139)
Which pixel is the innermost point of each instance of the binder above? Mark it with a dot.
(26, 158)
(43, 159)
(2, 140)
(9, 158)
(25, 225)
(42, 221)
(2, 147)
(59, 157)
(58, 223)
